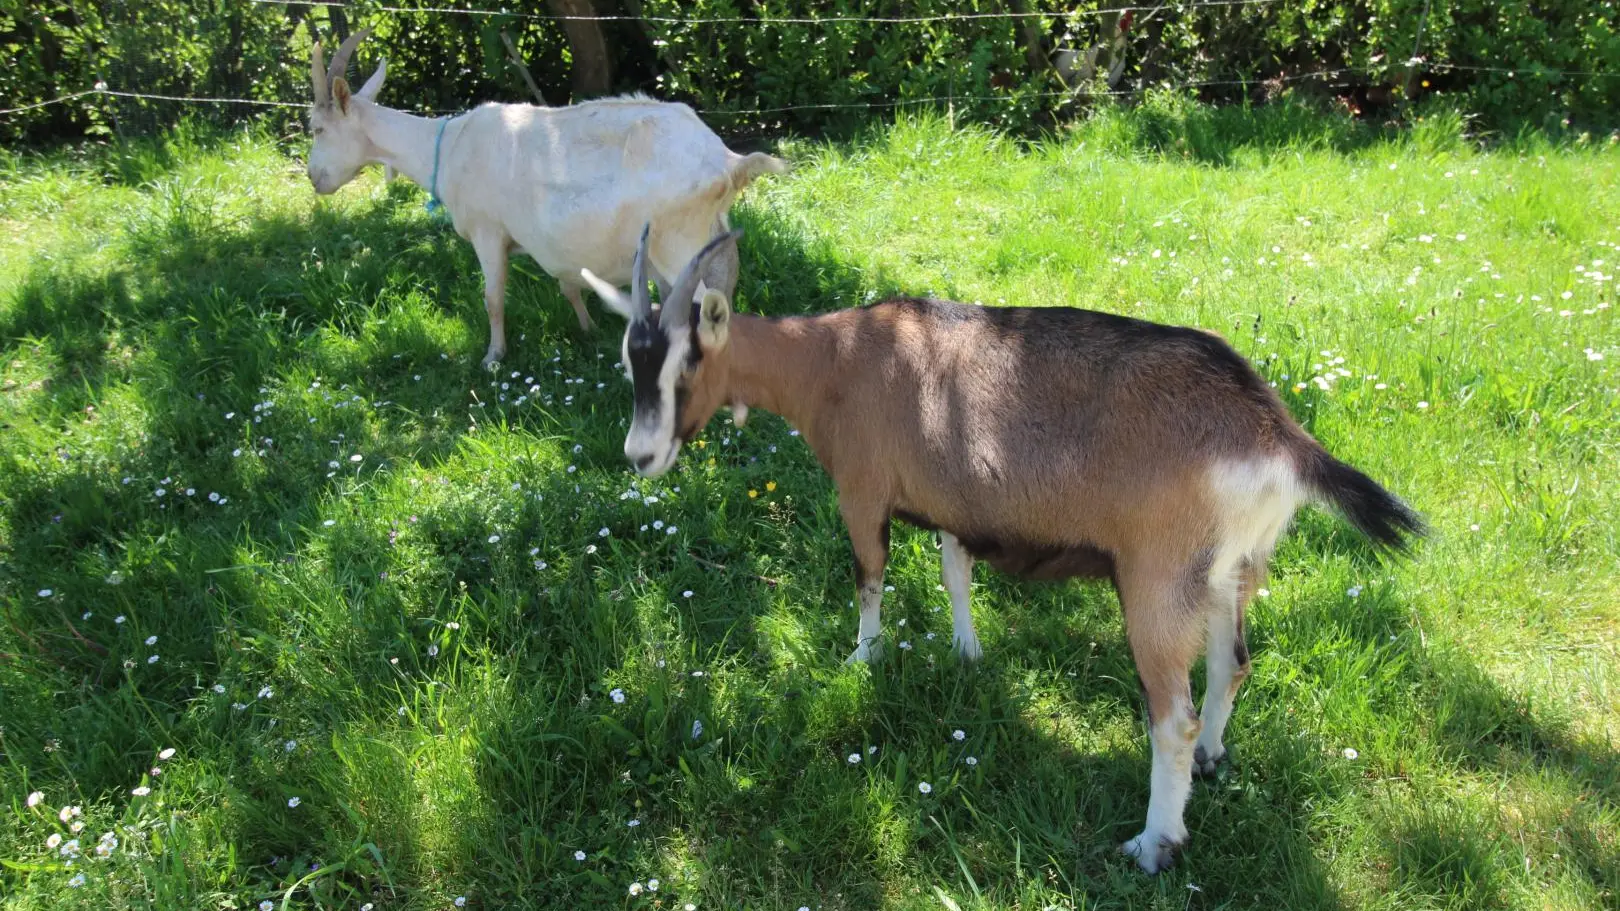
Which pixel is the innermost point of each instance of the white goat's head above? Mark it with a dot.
(675, 355)
(340, 148)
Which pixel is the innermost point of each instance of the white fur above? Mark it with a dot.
(866, 639)
(956, 568)
(1256, 498)
(1170, 782)
(1220, 664)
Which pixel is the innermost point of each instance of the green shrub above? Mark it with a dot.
(1503, 61)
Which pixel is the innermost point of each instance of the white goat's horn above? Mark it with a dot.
(340, 60)
(677, 309)
(317, 74)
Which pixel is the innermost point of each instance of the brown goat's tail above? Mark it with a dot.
(1374, 511)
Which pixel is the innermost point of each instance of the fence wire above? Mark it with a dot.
(101, 88)
(770, 20)
(1077, 94)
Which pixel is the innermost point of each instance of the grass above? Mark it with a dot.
(419, 588)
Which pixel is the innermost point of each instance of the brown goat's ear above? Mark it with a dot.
(714, 319)
(340, 94)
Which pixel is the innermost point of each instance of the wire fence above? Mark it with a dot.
(778, 20)
(881, 104)
(102, 89)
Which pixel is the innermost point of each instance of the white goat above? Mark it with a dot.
(571, 187)
(1050, 442)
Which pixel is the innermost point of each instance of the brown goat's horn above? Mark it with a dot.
(677, 309)
(340, 60)
(640, 301)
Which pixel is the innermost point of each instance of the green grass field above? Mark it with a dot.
(415, 633)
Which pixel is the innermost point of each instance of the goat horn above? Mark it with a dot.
(340, 60)
(640, 302)
(677, 311)
(317, 73)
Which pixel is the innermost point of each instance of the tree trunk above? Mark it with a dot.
(1030, 27)
(593, 68)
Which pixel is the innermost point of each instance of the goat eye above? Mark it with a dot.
(318, 130)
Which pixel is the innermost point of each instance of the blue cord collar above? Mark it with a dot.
(434, 203)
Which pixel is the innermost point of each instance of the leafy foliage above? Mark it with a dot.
(831, 66)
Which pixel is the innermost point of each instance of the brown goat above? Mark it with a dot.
(1049, 442)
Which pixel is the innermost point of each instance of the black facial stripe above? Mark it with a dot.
(647, 350)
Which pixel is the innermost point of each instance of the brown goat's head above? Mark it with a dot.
(674, 356)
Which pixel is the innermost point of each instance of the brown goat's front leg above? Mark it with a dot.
(1163, 625)
(956, 568)
(491, 250)
(869, 535)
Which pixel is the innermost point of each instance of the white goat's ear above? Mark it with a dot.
(340, 94)
(610, 295)
(375, 83)
(714, 319)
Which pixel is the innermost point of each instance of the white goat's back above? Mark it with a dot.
(573, 186)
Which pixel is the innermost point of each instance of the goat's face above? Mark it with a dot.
(340, 147)
(675, 358)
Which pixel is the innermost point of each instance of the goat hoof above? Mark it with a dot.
(968, 649)
(1153, 853)
(1204, 766)
(863, 654)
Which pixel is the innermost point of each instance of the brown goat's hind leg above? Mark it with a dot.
(869, 535)
(1226, 661)
(1164, 627)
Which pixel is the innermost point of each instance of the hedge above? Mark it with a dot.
(1504, 61)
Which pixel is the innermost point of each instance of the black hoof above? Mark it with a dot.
(1204, 766)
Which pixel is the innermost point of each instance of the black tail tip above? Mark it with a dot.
(1374, 511)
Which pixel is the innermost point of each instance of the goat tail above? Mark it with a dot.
(1374, 511)
(745, 169)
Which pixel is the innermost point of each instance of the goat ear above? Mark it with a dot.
(340, 94)
(610, 295)
(714, 319)
(375, 83)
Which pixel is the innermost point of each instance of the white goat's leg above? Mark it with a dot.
(491, 250)
(575, 295)
(1164, 639)
(1226, 660)
(956, 567)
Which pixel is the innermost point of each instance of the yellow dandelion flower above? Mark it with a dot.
(752, 494)
(770, 485)
(701, 444)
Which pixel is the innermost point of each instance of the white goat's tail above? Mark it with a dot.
(752, 165)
